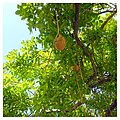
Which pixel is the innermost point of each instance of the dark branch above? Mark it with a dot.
(111, 5)
(105, 22)
(76, 19)
(100, 81)
(106, 11)
(75, 27)
(111, 108)
(74, 107)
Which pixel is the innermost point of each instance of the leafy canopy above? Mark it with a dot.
(42, 81)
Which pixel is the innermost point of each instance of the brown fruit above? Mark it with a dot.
(76, 68)
(60, 42)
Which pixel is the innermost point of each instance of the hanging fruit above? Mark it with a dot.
(76, 68)
(60, 42)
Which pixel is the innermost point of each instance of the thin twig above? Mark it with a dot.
(78, 87)
(57, 21)
(106, 11)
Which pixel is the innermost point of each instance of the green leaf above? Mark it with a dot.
(17, 12)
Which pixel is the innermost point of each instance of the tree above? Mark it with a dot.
(78, 80)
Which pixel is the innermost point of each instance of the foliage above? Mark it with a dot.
(42, 81)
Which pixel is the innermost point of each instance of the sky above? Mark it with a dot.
(14, 29)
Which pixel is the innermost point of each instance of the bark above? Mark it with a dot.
(75, 27)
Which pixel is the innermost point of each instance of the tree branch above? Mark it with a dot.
(101, 12)
(100, 81)
(106, 11)
(105, 22)
(111, 108)
(75, 28)
(74, 107)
